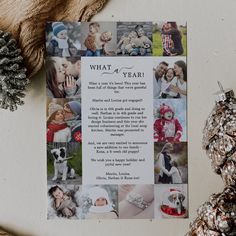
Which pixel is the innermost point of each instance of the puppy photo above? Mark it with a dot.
(177, 199)
(61, 166)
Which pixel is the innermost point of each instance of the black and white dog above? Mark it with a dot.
(61, 166)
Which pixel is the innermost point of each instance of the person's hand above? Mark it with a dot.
(70, 86)
(174, 89)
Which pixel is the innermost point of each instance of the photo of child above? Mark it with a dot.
(64, 120)
(64, 163)
(170, 78)
(62, 39)
(134, 38)
(136, 201)
(63, 78)
(98, 39)
(98, 202)
(169, 120)
(62, 202)
(170, 163)
(169, 38)
(171, 201)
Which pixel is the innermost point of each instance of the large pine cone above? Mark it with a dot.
(219, 140)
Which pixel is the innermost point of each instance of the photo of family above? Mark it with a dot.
(170, 163)
(62, 39)
(98, 202)
(62, 202)
(169, 120)
(98, 39)
(169, 38)
(64, 120)
(64, 163)
(171, 201)
(136, 201)
(134, 39)
(170, 78)
(63, 79)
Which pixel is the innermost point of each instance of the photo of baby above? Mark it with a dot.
(98, 202)
(64, 120)
(136, 201)
(62, 39)
(170, 78)
(64, 163)
(169, 38)
(98, 39)
(170, 163)
(62, 202)
(169, 120)
(134, 38)
(171, 201)
(63, 79)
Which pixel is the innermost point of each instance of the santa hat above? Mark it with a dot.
(57, 27)
(96, 193)
(52, 108)
(165, 108)
(75, 107)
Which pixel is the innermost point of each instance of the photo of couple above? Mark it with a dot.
(98, 39)
(63, 78)
(134, 38)
(170, 78)
(64, 120)
(170, 163)
(169, 38)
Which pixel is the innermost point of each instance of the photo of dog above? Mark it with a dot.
(64, 163)
(60, 164)
(171, 201)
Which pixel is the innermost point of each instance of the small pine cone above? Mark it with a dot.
(216, 217)
(13, 79)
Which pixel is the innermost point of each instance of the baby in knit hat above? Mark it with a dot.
(57, 128)
(101, 205)
(60, 45)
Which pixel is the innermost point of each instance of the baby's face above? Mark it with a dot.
(58, 194)
(59, 116)
(169, 75)
(106, 36)
(101, 202)
(168, 115)
(62, 34)
(140, 32)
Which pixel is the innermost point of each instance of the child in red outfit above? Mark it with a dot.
(167, 128)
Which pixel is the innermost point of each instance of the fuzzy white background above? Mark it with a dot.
(211, 57)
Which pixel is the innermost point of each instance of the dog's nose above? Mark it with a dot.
(177, 203)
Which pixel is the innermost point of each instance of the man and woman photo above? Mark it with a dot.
(64, 121)
(63, 77)
(170, 79)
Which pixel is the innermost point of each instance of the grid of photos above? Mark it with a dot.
(66, 44)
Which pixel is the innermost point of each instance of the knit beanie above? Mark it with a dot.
(165, 108)
(58, 27)
(96, 193)
(75, 107)
(52, 108)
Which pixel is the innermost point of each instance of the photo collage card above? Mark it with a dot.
(117, 145)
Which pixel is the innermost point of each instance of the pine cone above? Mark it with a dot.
(12, 73)
(217, 217)
(219, 140)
